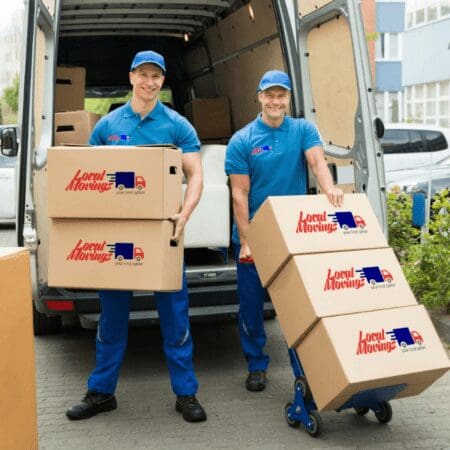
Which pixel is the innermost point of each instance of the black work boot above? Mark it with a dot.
(256, 381)
(92, 404)
(191, 409)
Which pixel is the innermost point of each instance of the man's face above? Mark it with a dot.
(274, 102)
(147, 81)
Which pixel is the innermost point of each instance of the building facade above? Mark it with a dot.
(390, 24)
(426, 62)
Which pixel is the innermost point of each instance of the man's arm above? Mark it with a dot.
(192, 168)
(318, 164)
(240, 188)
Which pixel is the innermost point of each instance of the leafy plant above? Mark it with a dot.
(11, 95)
(402, 234)
(426, 265)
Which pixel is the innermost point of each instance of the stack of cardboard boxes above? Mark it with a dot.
(73, 125)
(342, 300)
(109, 207)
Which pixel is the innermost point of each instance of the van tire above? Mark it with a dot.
(43, 324)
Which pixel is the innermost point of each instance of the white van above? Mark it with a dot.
(213, 48)
(410, 146)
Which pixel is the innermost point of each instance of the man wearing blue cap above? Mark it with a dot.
(268, 157)
(145, 120)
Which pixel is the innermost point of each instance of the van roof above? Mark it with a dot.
(171, 18)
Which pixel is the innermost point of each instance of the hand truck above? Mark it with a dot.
(303, 409)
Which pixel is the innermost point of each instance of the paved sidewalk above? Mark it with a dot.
(237, 419)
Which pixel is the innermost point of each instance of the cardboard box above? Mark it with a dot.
(293, 225)
(114, 254)
(209, 224)
(114, 182)
(210, 117)
(70, 88)
(347, 354)
(74, 127)
(18, 424)
(310, 287)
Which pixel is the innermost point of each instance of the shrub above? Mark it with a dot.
(402, 234)
(427, 264)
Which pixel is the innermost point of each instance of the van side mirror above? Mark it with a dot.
(379, 128)
(8, 139)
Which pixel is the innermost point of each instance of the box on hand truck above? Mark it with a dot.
(345, 308)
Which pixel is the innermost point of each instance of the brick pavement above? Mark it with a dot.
(236, 418)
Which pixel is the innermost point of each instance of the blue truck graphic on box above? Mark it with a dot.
(375, 275)
(404, 336)
(126, 180)
(126, 250)
(347, 220)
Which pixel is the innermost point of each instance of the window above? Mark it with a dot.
(435, 141)
(420, 12)
(402, 141)
(393, 46)
(395, 141)
(432, 13)
(420, 16)
(387, 46)
(416, 142)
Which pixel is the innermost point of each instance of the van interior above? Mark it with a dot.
(212, 48)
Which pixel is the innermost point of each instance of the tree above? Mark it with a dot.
(11, 95)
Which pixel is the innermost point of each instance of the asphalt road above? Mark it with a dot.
(237, 419)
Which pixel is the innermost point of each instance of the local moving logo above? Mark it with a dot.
(352, 278)
(103, 181)
(381, 341)
(330, 223)
(258, 150)
(123, 253)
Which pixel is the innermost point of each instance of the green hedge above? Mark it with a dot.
(425, 260)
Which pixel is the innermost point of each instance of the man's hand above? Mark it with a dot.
(180, 222)
(245, 255)
(335, 196)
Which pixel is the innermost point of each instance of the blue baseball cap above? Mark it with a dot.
(148, 57)
(274, 78)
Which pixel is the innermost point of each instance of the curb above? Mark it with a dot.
(442, 323)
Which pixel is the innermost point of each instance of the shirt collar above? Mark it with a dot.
(263, 126)
(155, 113)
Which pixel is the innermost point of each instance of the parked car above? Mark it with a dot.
(410, 180)
(410, 146)
(7, 184)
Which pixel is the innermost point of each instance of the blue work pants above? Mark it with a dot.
(251, 296)
(112, 337)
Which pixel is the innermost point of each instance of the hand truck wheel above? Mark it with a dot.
(362, 411)
(315, 426)
(383, 412)
(302, 384)
(291, 422)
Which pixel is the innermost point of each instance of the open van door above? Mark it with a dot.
(336, 93)
(36, 129)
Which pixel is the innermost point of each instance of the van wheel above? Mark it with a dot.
(43, 324)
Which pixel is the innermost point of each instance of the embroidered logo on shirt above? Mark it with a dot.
(258, 150)
(116, 138)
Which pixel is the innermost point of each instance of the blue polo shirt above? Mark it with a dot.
(161, 126)
(273, 158)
